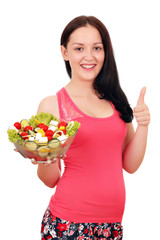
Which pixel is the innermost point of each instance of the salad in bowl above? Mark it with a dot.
(43, 137)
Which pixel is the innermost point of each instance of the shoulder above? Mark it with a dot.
(49, 104)
(47, 100)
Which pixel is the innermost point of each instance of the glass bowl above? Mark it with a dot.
(43, 137)
(44, 152)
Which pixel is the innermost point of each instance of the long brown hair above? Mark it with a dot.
(107, 82)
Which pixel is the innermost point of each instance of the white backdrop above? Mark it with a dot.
(31, 67)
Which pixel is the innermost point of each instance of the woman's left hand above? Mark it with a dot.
(141, 111)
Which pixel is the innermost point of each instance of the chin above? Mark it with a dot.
(89, 78)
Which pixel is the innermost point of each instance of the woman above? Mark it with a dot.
(90, 196)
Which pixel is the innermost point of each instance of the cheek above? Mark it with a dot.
(101, 59)
(75, 61)
(75, 57)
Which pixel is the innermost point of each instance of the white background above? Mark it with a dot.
(31, 67)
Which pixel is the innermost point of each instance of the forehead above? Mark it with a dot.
(84, 34)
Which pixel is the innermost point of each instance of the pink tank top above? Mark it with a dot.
(91, 188)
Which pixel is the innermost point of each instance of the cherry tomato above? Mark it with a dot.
(24, 135)
(40, 125)
(64, 124)
(17, 125)
(28, 128)
(64, 131)
(43, 126)
(49, 133)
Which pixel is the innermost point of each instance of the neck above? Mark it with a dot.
(83, 89)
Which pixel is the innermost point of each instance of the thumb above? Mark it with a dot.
(141, 96)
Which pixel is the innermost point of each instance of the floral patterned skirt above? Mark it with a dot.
(56, 228)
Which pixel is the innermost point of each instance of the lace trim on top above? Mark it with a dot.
(66, 109)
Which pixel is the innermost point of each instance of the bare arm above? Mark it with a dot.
(135, 150)
(49, 174)
(135, 142)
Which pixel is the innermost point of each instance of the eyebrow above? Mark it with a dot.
(83, 44)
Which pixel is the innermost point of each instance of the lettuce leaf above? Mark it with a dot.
(72, 127)
(13, 135)
(42, 118)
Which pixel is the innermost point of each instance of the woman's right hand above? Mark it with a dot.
(33, 161)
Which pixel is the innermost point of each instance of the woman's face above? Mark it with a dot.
(85, 53)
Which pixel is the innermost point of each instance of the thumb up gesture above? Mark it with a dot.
(141, 111)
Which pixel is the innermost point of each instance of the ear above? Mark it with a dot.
(64, 53)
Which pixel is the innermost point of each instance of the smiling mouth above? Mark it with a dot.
(88, 66)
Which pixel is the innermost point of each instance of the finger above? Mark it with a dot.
(141, 96)
(139, 115)
(33, 161)
(143, 122)
(50, 161)
(142, 118)
(140, 108)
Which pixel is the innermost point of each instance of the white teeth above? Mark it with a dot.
(88, 66)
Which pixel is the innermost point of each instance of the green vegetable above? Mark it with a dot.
(36, 129)
(31, 146)
(13, 135)
(30, 132)
(54, 143)
(24, 123)
(42, 118)
(72, 127)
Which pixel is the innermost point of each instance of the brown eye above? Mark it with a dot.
(97, 48)
(79, 49)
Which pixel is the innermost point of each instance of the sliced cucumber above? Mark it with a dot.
(43, 151)
(20, 136)
(30, 132)
(37, 129)
(54, 143)
(31, 146)
(24, 123)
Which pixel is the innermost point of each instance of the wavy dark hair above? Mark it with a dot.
(107, 82)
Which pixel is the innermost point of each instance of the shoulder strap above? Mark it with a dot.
(66, 109)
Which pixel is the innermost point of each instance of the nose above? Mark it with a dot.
(89, 54)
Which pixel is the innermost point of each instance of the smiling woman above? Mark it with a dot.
(91, 189)
(106, 83)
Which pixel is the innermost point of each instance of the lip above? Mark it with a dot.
(88, 67)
